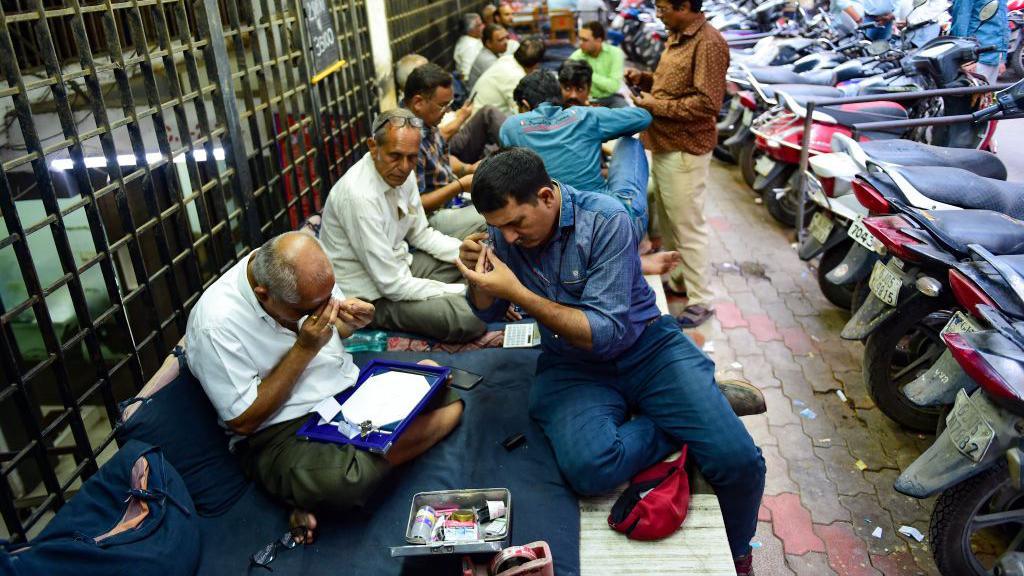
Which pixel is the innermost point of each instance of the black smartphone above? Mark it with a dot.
(464, 380)
(635, 90)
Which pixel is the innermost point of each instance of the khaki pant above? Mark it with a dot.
(678, 181)
(457, 222)
(445, 318)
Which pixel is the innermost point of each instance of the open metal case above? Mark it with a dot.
(469, 498)
(376, 442)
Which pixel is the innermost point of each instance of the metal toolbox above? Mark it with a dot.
(463, 499)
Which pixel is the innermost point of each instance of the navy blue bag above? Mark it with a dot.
(134, 516)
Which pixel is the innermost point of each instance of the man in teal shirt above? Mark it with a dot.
(606, 61)
(569, 141)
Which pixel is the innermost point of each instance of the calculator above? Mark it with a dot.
(522, 335)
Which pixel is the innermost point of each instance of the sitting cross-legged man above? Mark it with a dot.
(569, 140)
(441, 176)
(469, 131)
(264, 340)
(371, 223)
(568, 258)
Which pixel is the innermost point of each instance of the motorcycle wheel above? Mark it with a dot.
(958, 545)
(784, 208)
(747, 157)
(723, 154)
(840, 295)
(859, 295)
(1016, 59)
(899, 352)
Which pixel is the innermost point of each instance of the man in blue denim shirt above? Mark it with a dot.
(569, 259)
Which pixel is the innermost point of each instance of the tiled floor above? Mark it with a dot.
(774, 327)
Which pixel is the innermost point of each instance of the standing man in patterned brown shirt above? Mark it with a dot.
(684, 95)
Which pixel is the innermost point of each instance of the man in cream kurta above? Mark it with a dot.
(382, 247)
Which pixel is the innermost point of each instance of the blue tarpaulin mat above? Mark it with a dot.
(544, 507)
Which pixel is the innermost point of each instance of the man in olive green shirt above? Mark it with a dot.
(606, 61)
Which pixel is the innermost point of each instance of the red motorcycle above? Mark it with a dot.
(779, 132)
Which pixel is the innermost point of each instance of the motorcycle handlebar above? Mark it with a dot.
(893, 73)
(869, 25)
(985, 113)
(984, 49)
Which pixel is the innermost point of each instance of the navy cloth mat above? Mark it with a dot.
(555, 55)
(543, 506)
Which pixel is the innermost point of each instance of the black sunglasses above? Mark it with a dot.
(264, 556)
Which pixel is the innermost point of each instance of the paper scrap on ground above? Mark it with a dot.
(328, 408)
(842, 397)
(799, 403)
(755, 544)
(823, 443)
(808, 413)
(877, 532)
(860, 465)
(709, 346)
(736, 365)
(385, 398)
(912, 532)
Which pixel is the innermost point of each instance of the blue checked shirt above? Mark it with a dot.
(433, 167)
(591, 264)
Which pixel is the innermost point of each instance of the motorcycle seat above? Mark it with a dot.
(803, 92)
(964, 189)
(850, 114)
(783, 75)
(996, 232)
(910, 153)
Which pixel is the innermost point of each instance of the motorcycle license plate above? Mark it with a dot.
(861, 236)
(764, 165)
(886, 281)
(821, 227)
(970, 433)
(959, 324)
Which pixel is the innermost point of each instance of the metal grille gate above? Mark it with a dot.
(428, 27)
(144, 146)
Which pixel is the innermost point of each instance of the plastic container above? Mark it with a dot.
(367, 341)
(473, 499)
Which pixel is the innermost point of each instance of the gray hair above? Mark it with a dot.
(275, 270)
(470, 21)
(382, 124)
(406, 64)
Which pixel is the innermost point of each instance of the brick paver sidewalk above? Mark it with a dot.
(775, 328)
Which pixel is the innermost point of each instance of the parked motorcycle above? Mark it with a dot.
(780, 135)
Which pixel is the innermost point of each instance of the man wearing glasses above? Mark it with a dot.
(441, 177)
(372, 221)
(264, 340)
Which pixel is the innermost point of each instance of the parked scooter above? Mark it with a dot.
(780, 135)
(975, 465)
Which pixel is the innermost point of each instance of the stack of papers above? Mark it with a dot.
(384, 399)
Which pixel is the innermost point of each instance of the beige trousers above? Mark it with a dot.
(678, 181)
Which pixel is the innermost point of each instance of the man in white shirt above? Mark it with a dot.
(496, 85)
(495, 41)
(373, 218)
(468, 47)
(265, 343)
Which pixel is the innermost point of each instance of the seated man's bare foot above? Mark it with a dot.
(659, 262)
(303, 526)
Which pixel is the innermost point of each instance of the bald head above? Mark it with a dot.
(293, 268)
(488, 13)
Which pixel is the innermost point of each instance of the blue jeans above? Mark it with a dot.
(883, 33)
(627, 181)
(668, 385)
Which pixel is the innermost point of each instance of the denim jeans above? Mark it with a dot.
(883, 33)
(668, 385)
(627, 181)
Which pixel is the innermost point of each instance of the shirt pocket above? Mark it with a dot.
(573, 275)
